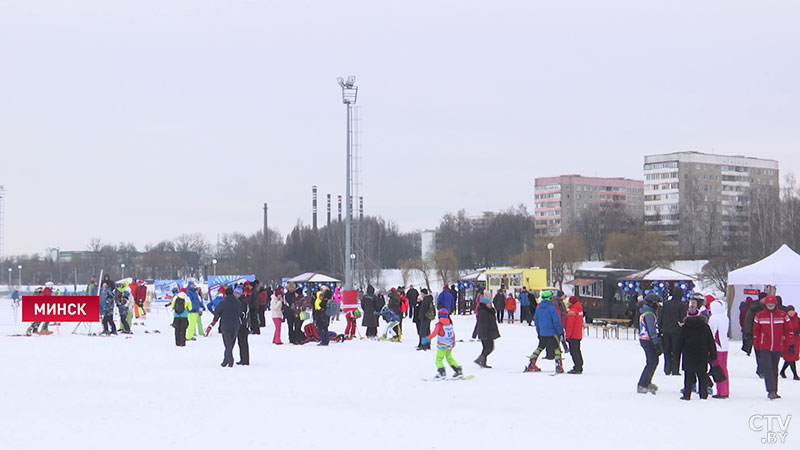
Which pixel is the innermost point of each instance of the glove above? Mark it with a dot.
(425, 340)
(791, 348)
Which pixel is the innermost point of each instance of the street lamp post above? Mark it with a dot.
(550, 248)
(349, 95)
(214, 263)
(19, 269)
(122, 266)
(9, 277)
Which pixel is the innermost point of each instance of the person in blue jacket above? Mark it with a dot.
(229, 312)
(445, 300)
(525, 307)
(650, 342)
(195, 322)
(549, 329)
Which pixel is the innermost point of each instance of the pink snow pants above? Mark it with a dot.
(276, 338)
(722, 361)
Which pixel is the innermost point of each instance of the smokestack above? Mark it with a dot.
(329, 209)
(340, 208)
(360, 208)
(265, 222)
(314, 207)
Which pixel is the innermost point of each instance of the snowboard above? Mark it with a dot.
(463, 377)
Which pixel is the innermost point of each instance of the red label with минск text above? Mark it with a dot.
(37, 308)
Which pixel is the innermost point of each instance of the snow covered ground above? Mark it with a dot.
(73, 391)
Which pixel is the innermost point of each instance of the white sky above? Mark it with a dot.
(139, 120)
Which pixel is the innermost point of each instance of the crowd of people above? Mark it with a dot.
(692, 336)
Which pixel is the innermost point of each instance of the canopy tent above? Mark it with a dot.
(313, 277)
(659, 274)
(777, 269)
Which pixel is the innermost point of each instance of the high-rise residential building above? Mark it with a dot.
(704, 203)
(561, 201)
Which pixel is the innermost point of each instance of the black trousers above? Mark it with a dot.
(768, 363)
(500, 313)
(180, 324)
(525, 313)
(123, 320)
(747, 343)
(255, 327)
(672, 354)
(244, 347)
(372, 331)
(262, 318)
(651, 363)
(575, 353)
(322, 329)
(689, 378)
(424, 329)
(228, 340)
(488, 348)
(108, 319)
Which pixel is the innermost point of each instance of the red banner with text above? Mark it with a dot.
(60, 308)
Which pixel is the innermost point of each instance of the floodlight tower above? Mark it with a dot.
(349, 95)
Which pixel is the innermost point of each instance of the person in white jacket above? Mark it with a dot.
(276, 308)
(719, 322)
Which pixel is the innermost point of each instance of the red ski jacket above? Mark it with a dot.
(771, 330)
(574, 326)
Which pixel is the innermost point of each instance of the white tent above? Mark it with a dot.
(313, 277)
(780, 269)
(659, 274)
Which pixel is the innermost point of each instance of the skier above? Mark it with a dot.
(649, 340)
(574, 333)
(790, 357)
(47, 291)
(351, 316)
(771, 329)
(392, 320)
(195, 308)
(445, 342)
(672, 314)
(698, 350)
(229, 311)
(108, 314)
(487, 328)
(180, 317)
(123, 300)
(719, 331)
(549, 329)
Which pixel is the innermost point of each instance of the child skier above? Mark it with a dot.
(392, 321)
(108, 314)
(444, 345)
(549, 329)
(351, 316)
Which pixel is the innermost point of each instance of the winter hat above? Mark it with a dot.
(652, 299)
(424, 291)
(237, 290)
(559, 293)
(693, 312)
(770, 300)
(485, 299)
(710, 298)
(191, 283)
(183, 296)
(546, 295)
(573, 299)
(443, 313)
(370, 289)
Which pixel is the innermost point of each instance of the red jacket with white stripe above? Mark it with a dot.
(771, 330)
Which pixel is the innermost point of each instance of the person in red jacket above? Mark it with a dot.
(790, 357)
(771, 331)
(574, 333)
(511, 306)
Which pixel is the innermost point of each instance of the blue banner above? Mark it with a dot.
(215, 281)
(163, 289)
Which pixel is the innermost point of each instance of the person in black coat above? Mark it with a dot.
(672, 314)
(698, 349)
(499, 305)
(229, 313)
(421, 318)
(487, 329)
(369, 307)
(244, 346)
(255, 321)
(412, 295)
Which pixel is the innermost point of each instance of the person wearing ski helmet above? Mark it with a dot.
(549, 329)
(445, 342)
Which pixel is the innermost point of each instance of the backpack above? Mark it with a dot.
(430, 314)
(332, 309)
(180, 305)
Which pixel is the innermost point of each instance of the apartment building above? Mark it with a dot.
(703, 202)
(560, 201)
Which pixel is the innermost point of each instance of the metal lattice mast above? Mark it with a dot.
(349, 96)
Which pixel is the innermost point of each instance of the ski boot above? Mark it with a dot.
(458, 373)
(532, 367)
(440, 374)
(559, 366)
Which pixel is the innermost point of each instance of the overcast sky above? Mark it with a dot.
(140, 120)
